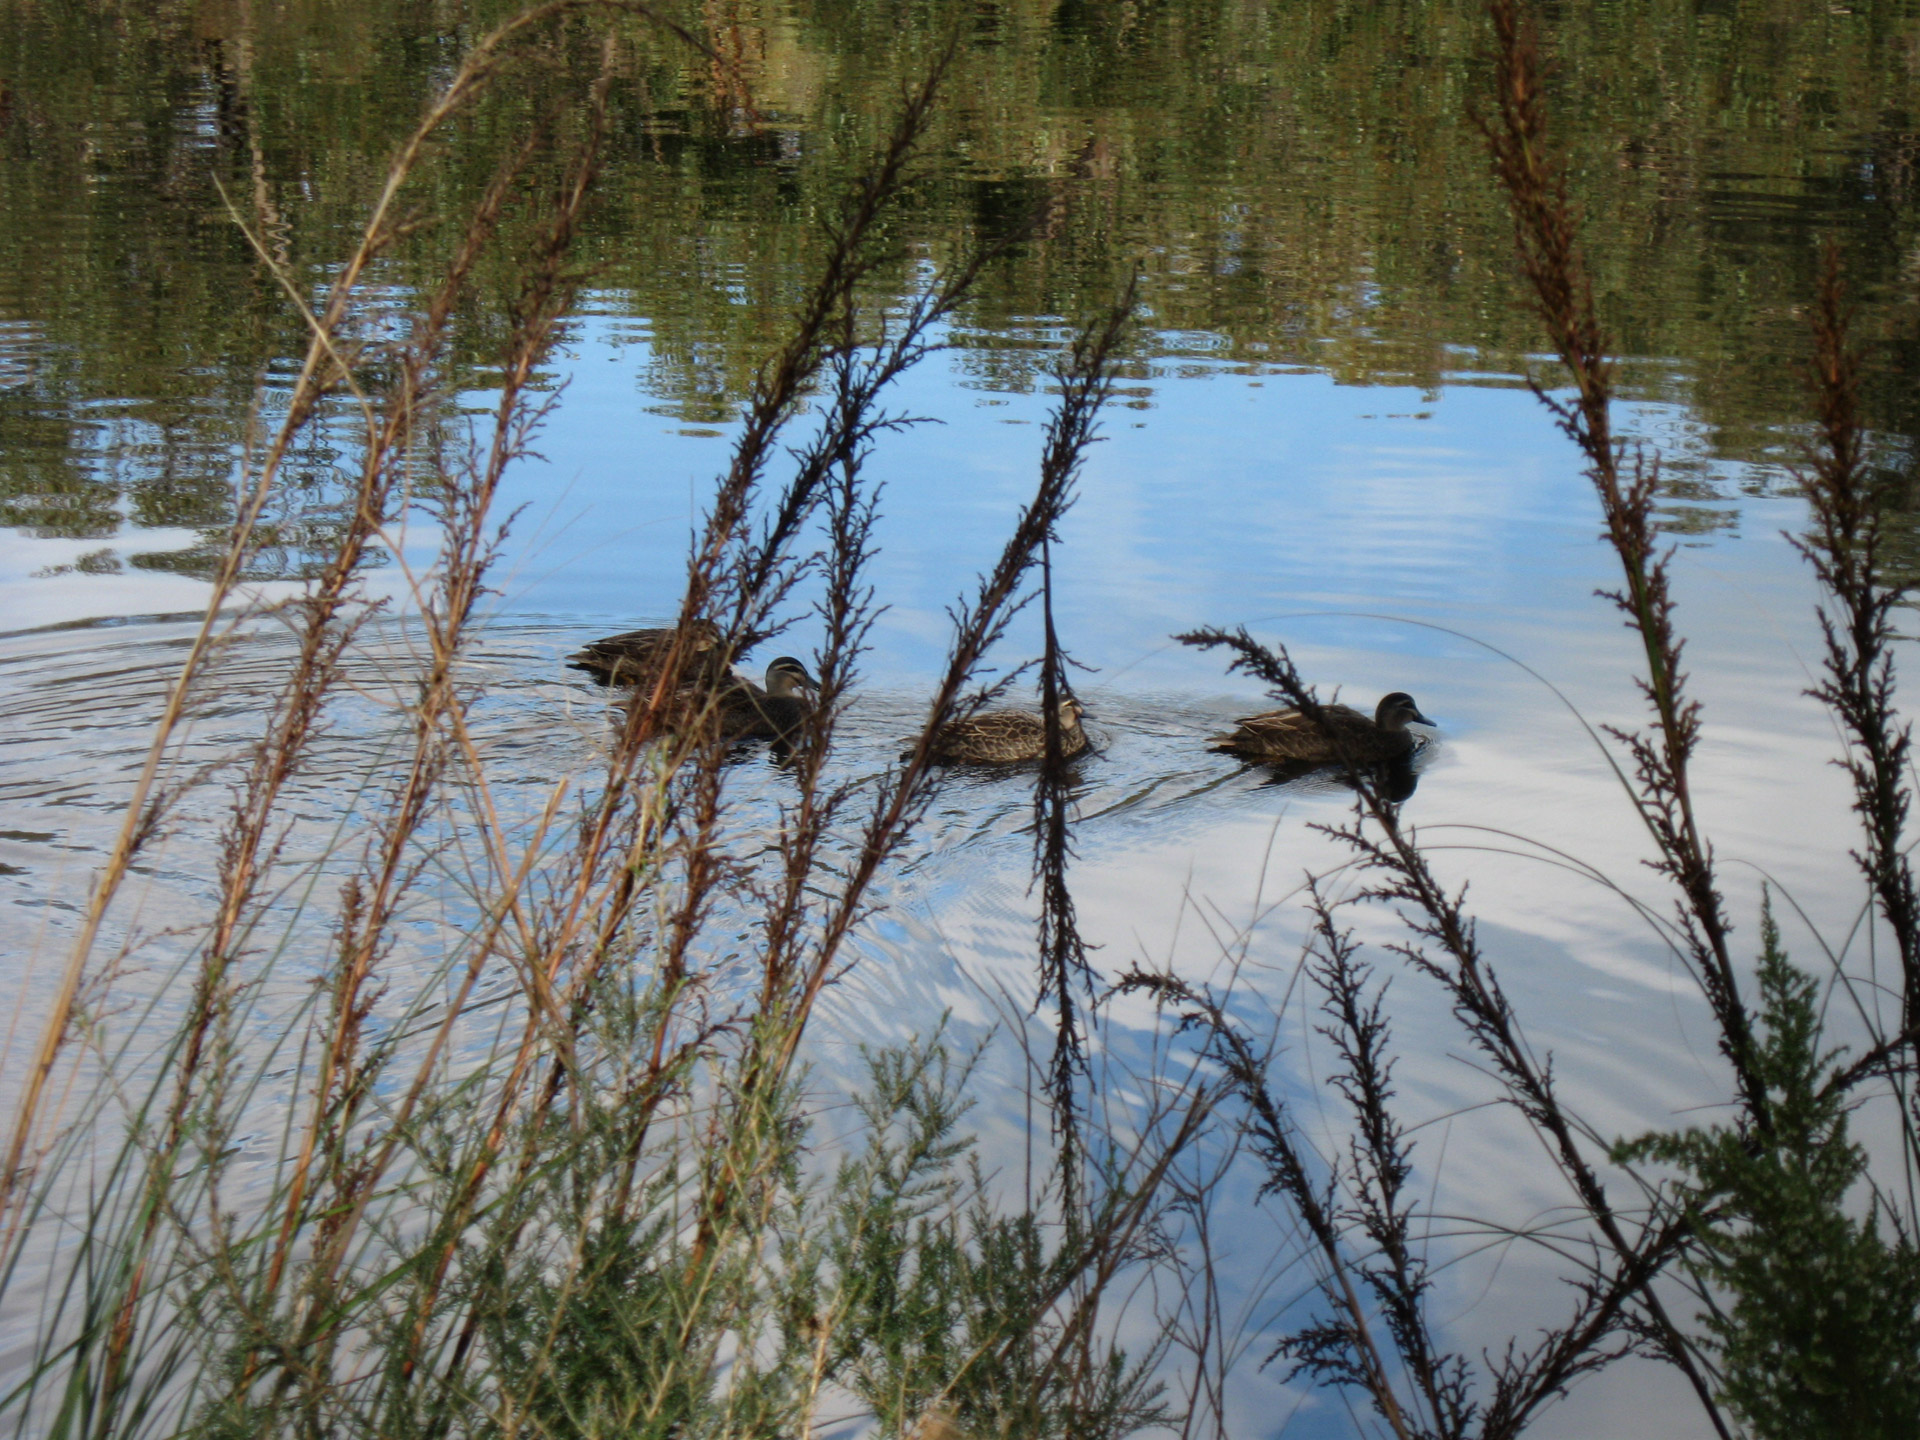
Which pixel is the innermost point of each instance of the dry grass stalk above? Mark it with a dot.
(670, 805)
(325, 623)
(326, 369)
(325, 620)
(1626, 480)
(1845, 547)
(345, 1081)
(1085, 379)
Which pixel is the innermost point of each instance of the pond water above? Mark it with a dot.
(1322, 433)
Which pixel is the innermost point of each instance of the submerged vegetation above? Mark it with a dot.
(476, 1121)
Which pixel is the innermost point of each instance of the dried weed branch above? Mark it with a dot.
(1845, 547)
(1618, 1288)
(1626, 479)
(1361, 1213)
(1085, 380)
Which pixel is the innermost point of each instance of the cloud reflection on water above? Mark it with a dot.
(1316, 514)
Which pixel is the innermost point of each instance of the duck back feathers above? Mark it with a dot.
(634, 657)
(998, 737)
(1342, 734)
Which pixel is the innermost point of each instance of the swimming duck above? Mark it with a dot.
(1392, 780)
(1290, 735)
(747, 712)
(634, 657)
(997, 737)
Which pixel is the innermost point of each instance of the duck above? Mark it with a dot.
(1392, 780)
(746, 711)
(1346, 735)
(634, 657)
(999, 737)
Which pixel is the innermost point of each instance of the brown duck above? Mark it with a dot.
(634, 657)
(746, 711)
(998, 737)
(1280, 735)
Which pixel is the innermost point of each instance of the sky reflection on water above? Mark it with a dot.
(1298, 189)
(1393, 539)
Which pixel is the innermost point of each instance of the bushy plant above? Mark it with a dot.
(956, 1309)
(1817, 1326)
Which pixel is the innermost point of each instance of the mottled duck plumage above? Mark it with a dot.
(1288, 735)
(999, 737)
(634, 657)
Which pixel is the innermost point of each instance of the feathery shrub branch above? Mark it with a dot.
(1845, 549)
(1085, 380)
(1626, 479)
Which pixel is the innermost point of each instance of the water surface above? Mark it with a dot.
(1322, 433)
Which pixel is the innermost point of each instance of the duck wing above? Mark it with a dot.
(634, 656)
(997, 736)
(1290, 734)
(1004, 726)
(990, 735)
(631, 652)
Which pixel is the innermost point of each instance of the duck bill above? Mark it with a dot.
(1420, 719)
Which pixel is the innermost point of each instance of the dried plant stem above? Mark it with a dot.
(736, 580)
(1438, 919)
(1085, 380)
(1274, 1140)
(339, 1090)
(325, 630)
(904, 795)
(1085, 383)
(1626, 480)
(1845, 548)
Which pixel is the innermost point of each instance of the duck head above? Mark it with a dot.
(1397, 711)
(786, 674)
(1069, 711)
